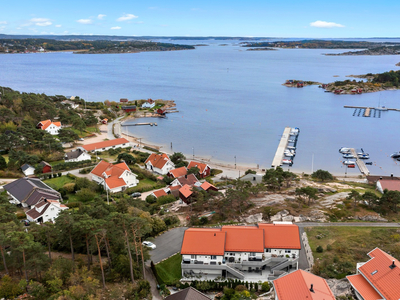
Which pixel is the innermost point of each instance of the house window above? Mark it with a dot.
(213, 257)
(287, 251)
(252, 254)
(103, 148)
(268, 250)
(193, 256)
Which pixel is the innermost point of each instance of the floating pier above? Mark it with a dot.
(360, 163)
(280, 151)
(367, 111)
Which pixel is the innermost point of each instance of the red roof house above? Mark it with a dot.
(159, 163)
(389, 184)
(378, 278)
(185, 193)
(49, 126)
(46, 167)
(301, 285)
(115, 178)
(205, 170)
(106, 145)
(178, 172)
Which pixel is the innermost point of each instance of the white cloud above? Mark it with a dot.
(100, 17)
(41, 21)
(115, 28)
(3, 22)
(85, 21)
(139, 22)
(58, 26)
(324, 24)
(126, 17)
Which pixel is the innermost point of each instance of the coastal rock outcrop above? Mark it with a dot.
(340, 288)
(371, 218)
(256, 218)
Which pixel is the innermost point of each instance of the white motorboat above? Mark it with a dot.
(289, 154)
(363, 155)
(291, 141)
(349, 162)
(344, 150)
(287, 161)
(348, 155)
(291, 147)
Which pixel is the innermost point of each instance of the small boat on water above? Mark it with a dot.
(291, 147)
(287, 161)
(294, 131)
(349, 162)
(395, 155)
(292, 141)
(344, 150)
(289, 154)
(351, 166)
(348, 155)
(363, 155)
(369, 163)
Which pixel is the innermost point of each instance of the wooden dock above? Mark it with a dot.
(281, 148)
(367, 112)
(370, 108)
(360, 163)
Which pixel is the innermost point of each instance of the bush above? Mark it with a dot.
(85, 195)
(250, 172)
(171, 220)
(265, 287)
(151, 199)
(21, 215)
(166, 199)
(320, 249)
(329, 247)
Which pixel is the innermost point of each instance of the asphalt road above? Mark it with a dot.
(167, 244)
(353, 224)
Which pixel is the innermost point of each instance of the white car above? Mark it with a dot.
(149, 244)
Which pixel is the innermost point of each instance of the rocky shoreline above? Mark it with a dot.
(373, 51)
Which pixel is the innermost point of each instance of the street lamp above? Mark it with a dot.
(193, 152)
(235, 161)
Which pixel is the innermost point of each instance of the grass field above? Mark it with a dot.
(169, 270)
(344, 247)
(57, 183)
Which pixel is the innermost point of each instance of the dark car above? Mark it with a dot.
(26, 222)
(136, 194)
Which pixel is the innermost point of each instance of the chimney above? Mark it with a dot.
(215, 234)
(312, 288)
(392, 266)
(391, 176)
(186, 176)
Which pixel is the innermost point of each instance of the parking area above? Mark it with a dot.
(167, 244)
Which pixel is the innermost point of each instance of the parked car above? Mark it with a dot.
(136, 194)
(81, 139)
(149, 245)
(26, 222)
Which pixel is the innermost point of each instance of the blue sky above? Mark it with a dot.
(305, 18)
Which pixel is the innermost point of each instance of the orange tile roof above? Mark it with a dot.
(112, 173)
(363, 287)
(157, 161)
(203, 242)
(198, 165)
(385, 280)
(206, 185)
(47, 123)
(296, 286)
(186, 191)
(281, 236)
(244, 238)
(178, 172)
(160, 193)
(105, 144)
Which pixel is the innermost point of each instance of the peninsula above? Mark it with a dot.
(384, 50)
(321, 44)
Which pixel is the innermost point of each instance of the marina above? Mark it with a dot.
(359, 159)
(284, 150)
(140, 124)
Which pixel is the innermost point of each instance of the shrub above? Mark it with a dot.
(85, 195)
(265, 287)
(166, 199)
(329, 247)
(69, 187)
(320, 249)
(151, 199)
(21, 215)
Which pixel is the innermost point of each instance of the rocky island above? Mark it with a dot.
(371, 83)
(385, 50)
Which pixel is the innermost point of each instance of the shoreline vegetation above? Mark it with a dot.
(85, 47)
(371, 83)
(368, 48)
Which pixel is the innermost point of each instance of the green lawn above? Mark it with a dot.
(146, 185)
(169, 270)
(57, 183)
(344, 247)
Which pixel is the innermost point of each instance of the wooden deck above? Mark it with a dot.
(281, 148)
(360, 163)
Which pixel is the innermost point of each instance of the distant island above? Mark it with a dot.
(372, 83)
(260, 49)
(384, 50)
(318, 44)
(87, 47)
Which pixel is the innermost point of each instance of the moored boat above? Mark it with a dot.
(344, 150)
(351, 166)
(349, 162)
(395, 155)
(287, 161)
(348, 155)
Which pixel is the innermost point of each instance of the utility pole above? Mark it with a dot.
(235, 161)
(193, 152)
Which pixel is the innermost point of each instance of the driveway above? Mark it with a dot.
(167, 244)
